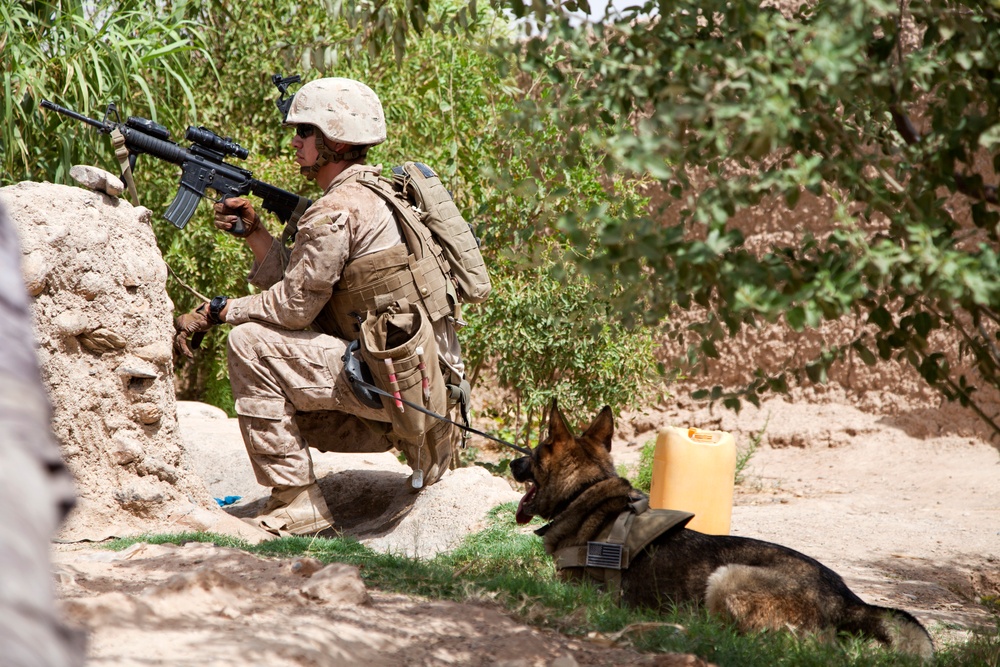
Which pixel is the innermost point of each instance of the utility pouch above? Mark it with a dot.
(398, 345)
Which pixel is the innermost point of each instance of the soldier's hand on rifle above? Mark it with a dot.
(196, 322)
(229, 212)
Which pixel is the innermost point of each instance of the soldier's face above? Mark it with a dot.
(305, 150)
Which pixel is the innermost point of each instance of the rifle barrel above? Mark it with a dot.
(73, 114)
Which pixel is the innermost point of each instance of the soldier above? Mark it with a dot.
(286, 347)
(36, 489)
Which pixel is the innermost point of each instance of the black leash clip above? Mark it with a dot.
(359, 376)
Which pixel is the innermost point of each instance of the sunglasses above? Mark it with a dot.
(304, 131)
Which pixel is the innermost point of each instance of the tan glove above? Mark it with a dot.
(196, 323)
(235, 212)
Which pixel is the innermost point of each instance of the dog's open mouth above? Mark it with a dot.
(524, 515)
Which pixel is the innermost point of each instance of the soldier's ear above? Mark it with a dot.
(559, 430)
(602, 428)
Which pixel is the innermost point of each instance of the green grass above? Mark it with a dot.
(744, 454)
(644, 475)
(508, 565)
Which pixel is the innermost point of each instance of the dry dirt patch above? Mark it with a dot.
(908, 522)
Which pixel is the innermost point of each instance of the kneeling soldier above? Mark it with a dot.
(287, 346)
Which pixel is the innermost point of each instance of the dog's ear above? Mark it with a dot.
(559, 430)
(602, 428)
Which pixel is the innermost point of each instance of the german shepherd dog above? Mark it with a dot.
(571, 481)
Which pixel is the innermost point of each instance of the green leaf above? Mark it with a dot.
(816, 372)
(796, 318)
(990, 139)
(881, 318)
(866, 355)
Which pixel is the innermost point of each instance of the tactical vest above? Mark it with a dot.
(415, 271)
(612, 551)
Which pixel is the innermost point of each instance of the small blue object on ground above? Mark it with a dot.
(228, 500)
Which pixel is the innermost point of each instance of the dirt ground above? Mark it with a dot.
(888, 487)
(912, 522)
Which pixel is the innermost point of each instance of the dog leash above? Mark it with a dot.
(375, 390)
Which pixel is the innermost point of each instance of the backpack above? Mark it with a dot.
(437, 210)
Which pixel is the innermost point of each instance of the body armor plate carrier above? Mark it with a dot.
(415, 271)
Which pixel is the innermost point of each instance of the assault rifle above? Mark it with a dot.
(203, 166)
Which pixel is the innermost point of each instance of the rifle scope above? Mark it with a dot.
(210, 140)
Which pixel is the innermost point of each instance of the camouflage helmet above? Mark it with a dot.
(344, 110)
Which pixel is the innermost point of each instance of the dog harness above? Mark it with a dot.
(604, 559)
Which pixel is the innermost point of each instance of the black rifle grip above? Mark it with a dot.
(237, 229)
(196, 339)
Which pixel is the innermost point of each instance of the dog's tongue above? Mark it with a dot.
(523, 515)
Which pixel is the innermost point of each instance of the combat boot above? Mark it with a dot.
(296, 510)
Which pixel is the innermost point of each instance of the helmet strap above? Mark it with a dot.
(325, 156)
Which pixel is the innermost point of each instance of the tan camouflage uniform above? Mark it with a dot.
(285, 349)
(36, 490)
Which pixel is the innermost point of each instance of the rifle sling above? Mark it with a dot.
(121, 152)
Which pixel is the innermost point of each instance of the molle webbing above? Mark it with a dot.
(427, 254)
(387, 276)
(455, 236)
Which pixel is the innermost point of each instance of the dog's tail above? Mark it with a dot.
(894, 627)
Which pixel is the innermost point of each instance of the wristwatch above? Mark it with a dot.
(215, 307)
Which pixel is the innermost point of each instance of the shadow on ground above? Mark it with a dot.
(364, 503)
(949, 593)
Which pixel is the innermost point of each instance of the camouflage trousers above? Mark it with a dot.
(292, 393)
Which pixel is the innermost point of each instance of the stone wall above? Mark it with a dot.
(103, 325)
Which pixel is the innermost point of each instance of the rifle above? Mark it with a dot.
(203, 166)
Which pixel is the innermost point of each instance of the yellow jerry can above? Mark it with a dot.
(694, 471)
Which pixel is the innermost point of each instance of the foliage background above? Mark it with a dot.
(593, 160)
(887, 110)
(446, 102)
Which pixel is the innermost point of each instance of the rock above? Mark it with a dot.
(147, 413)
(35, 271)
(91, 285)
(96, 179)
(305, 567)
(140, 496)
(337, 584)
(134, 367)
(125, 448)
(156, 353)
(102, 340)
(160, 469)
(71, 323)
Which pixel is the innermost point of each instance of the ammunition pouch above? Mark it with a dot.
(388, 275)
(399, 347)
